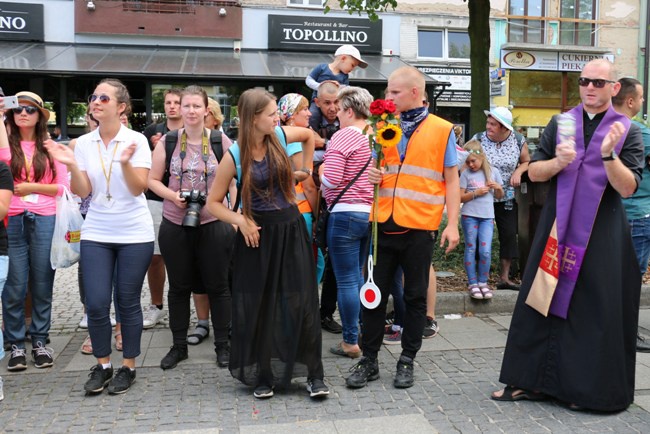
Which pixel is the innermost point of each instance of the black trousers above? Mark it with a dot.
(197, 258)
(328, 294)
(412, 250)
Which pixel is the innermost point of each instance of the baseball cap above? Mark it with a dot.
(350, 50)
(501, 115)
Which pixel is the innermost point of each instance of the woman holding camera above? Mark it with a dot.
(195, 245)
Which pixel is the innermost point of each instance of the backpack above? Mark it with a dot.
(171, 140)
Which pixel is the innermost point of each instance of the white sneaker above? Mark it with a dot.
(84, 321)
(152, 316)
(2, 395)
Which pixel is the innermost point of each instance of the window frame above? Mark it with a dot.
(525, 23)
(445, 43)
(573, 25)
(305, 4)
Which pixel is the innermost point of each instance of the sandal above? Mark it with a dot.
(512, 394)
(507, 285)
(197, 337)
(486, 291)
(339, 351)
(118, 341)
(475, 292)
(87, 346)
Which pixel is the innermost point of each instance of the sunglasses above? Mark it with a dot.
(30, 109)
(597, 82)
(104, 99)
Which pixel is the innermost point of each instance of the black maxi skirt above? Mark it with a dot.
(276, 334)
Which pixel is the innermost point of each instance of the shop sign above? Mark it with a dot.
(576, 61)
(22, 22)
(497, 88)
(310, 33)
(537, 60)
(460, 79)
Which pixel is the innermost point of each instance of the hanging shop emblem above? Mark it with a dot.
(519, 59)
(308, 33)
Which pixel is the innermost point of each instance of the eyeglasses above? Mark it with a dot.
(30, 109)
(597, 82)
(104, 99)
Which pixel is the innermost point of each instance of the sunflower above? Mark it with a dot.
(389, 136)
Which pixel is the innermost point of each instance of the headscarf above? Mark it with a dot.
(287, 106)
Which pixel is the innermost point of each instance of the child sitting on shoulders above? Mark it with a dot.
(478, 187)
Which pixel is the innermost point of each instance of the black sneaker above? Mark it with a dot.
(98, 378)
(223, 354)
(430, 329)
(317, 388)
(122, 381)
(42, 356)
(17, 360)
(366, 370)
(262, 391)
(177, 353)
(404, 374)
(328, 324)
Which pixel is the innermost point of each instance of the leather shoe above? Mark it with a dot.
(508, 285)
(328, 324)
(642, 345)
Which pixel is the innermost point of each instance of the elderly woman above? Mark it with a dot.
(348, 154)
(507, 151)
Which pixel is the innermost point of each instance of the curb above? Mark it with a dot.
(503, 302)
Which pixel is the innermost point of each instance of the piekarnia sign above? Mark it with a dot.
(21, 22)
(302, 33)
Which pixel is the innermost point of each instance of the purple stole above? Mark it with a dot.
(580, 187)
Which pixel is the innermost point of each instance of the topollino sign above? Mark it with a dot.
(22, 22)
(307, 33)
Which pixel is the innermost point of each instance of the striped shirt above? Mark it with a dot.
(347, 153)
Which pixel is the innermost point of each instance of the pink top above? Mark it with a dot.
(40, 204)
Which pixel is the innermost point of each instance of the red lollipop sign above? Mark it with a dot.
(369, 294)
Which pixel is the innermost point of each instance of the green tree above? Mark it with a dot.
(479, 38)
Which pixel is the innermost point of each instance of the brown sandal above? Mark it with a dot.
(87, 346)
(118, 341)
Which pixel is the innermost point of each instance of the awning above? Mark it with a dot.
(177, 62)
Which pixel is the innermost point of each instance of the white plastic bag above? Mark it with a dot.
(67, 232)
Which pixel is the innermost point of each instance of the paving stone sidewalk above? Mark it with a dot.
(455, 373)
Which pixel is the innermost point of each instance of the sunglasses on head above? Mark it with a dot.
(597, 82)
(30, 109)
(104, 99)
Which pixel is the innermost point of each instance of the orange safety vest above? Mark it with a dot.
(303, 203)
(413, 191)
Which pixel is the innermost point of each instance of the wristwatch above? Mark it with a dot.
(609, 157)
(307, 171)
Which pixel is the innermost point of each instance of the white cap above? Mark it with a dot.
(350, 50)
(501, 115)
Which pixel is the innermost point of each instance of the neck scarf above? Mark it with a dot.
(580, 187)
(411, 119)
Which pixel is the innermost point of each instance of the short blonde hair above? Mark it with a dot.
(215, 110)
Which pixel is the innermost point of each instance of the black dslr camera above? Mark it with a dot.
(195, 200)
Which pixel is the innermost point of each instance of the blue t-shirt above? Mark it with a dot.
(481, 206)
(322, 72)
(638, 206)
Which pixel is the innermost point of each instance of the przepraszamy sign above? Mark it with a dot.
(305, 33)
(23, 22)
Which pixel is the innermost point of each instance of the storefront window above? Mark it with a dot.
(544, 89)
(526, 30)
(575, 32)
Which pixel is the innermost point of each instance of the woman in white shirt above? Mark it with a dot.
(113, 164)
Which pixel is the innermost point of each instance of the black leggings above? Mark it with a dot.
(197, 258)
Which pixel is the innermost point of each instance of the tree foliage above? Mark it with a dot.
(479, 37)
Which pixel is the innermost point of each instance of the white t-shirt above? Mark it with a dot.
(128, 219)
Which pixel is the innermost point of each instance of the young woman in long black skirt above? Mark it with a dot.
(276, 333)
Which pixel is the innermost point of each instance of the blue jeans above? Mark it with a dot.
(30, 241)
(99, 261)
(4, 269)
(320, 259)
(478, 232)
(347, 240)
(640, 229)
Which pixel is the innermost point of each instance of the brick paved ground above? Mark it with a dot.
(455, 372)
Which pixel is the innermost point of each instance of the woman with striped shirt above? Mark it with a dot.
(348, 153)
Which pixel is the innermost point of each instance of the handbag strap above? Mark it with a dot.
(329, 209)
